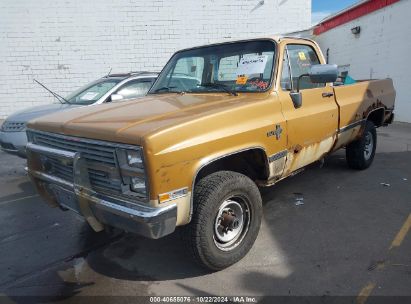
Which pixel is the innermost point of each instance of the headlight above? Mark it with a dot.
(13, 126)
(138, 185)
(132, 172)
(134, 158)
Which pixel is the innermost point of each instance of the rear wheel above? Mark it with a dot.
(361, 152)
(226, 219)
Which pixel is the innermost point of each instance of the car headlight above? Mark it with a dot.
(134, 158)
(138, 184)
(132, 172)
(13, 126)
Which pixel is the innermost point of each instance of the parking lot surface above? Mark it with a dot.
(349, 236)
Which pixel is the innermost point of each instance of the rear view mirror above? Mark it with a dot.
(323, 73)
(116, 97)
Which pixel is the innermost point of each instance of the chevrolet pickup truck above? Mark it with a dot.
(194, 153)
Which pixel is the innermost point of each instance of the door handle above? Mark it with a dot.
(328, 94)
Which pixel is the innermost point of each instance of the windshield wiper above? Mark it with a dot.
(57, 96)
(219, 86)
(167, 89)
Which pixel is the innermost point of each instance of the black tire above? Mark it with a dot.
(360, 153)
(201, 235)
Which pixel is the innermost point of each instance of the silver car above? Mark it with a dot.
(113, 87)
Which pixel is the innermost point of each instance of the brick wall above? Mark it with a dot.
(381, 50)
(67, 43)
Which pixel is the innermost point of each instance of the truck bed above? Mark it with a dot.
(359, 100)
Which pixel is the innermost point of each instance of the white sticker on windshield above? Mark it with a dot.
(252, 65)
(89, 96)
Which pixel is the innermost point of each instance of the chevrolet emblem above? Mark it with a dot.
(277, 132)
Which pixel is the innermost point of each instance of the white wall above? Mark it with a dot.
(66, 43)
(382, 49)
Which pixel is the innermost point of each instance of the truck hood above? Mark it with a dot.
(38, 111)
(130, 121)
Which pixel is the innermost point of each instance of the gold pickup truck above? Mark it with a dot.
(220, 121)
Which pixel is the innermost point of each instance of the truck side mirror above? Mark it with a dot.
(319, 73)
(297, 99)
(116, 97)
(323, 73)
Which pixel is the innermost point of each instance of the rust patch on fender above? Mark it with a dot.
(298, 158)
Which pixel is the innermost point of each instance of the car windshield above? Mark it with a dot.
(231, 67)
(92, 92)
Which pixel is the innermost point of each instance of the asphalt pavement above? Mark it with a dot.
(348, 236)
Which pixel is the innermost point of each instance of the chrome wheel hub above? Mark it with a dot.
(369, 145)
(231, 223)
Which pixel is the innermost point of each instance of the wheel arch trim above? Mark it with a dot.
(213, 160)
(375, 110)
(362, 121)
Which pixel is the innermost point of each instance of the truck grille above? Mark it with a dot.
(101, 160)
(90, 150)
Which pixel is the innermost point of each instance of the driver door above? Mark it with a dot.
(312, 127)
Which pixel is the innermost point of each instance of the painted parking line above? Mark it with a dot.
(402, 233)
(365, 293)
(18, 199)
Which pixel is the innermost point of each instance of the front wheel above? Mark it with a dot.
(360, 153)
(226, 219)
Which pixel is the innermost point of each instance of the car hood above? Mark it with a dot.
(130, 121)
(38, 111)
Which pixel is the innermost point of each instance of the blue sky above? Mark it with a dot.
(324, 8)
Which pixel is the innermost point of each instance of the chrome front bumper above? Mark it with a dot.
(96, 208)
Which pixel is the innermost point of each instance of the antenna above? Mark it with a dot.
(57, 96)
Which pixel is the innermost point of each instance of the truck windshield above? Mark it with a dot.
(230, 67)
(92, 92)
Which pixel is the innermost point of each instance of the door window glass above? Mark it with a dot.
(301, 58)
(134, 89)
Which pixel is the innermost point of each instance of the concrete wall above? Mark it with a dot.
(66, 43)
(382, 49)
